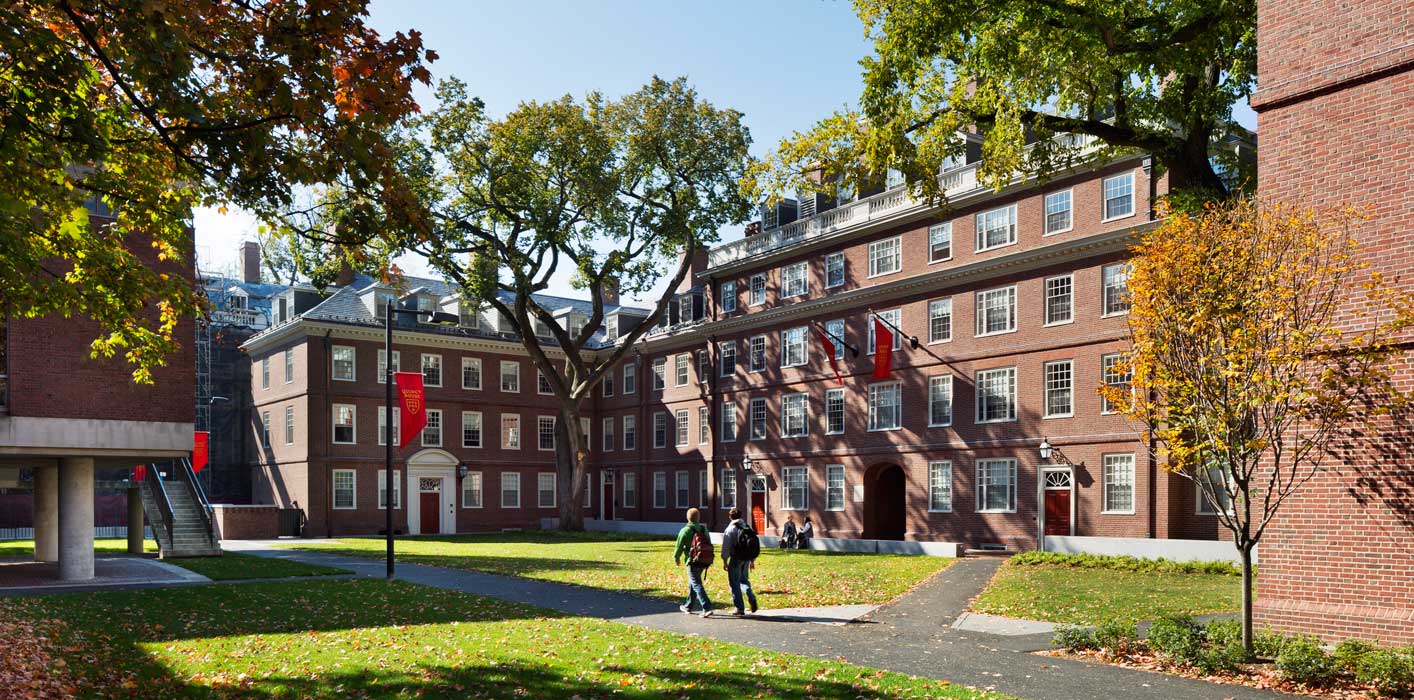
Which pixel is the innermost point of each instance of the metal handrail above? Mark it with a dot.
(207, 513)
(165, 504)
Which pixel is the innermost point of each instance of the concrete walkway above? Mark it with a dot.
(913, 635)
(24, 576)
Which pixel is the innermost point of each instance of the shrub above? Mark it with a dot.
(1224, 650)
(1177, 637)
(1388, 672)
(1116, 636)
(1303, 661)
(1348, 653)
(1123, 563)
(1074, 638)
(1268, 644)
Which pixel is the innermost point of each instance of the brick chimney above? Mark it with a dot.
(609, 289)
(346, 273)
(250, 262)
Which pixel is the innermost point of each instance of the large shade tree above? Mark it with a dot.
(147, 109)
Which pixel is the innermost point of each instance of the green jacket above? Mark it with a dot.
(685, 540)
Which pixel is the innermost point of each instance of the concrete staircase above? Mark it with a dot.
(192, 534)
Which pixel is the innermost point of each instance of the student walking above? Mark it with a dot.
(695, 544)
(740, 548)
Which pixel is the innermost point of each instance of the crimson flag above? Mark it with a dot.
(830, 353)
(199, 451)
(883, 350)
(140, 472)
(412, 406)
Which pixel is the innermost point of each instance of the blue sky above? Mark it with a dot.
(784, 63)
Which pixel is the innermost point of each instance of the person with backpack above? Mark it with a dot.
(740, 548)
(695, 544)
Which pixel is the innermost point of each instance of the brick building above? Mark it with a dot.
(1336, 110)
(1016, 298)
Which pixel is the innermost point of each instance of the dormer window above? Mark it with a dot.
(611, 327)
(577, 325)
(470, 316)
(542, 330)
(237, 301)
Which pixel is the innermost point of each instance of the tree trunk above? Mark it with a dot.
(1245, 551)
(571, 466)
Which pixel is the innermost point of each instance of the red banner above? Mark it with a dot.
(412, 405)
(830, 353)
(140, 472)
(199, 451)
(883, 350)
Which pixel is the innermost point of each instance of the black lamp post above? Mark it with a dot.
(441, 318)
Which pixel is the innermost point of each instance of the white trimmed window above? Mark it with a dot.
(265, 428)
(510, 376)
(996, 395)
(793, 348)
(834, 270)
(758, 418)
(728, 487)
(660, 489)
(1116, 294)
(727, 348)
(432, 370)
(1060, 395)
(704, 366)
(1216, 479)
(631, 378)
(608, 432)
(542, 383)
(1060, 300)
(289, 365)
(703, 497)
(728, 293)
(265, 372)
(1119, 196)
(758, 289)
(794, 412)
(383, 425)
(660, 430)
(684, 489)
(545, 489)
(383, 364)
(834, 411)
(996, 228)
(510, 431)
(345, 489)
(289, 425)
(681, 369)
(835, 330)
(940, 401)
(885, 406)
(796, 492)
(471, 490)
(383, 489)
(588, 491)
(607, 383)
(940, 242)
(1058, 208)
(834, 487)
(886, 256)
(940, 320)
(704, 425)
(728, 422)
(630, 432)
(345, 424)
(471, 429)
(586, 436)
(680, 427)
(996, 485)
(1119, 483)
(892, 317)
(794, 280)
(510, 490)
(545, 433)
(630, 490)
(471, 373)
(432, 432)
(996, 311)
(1113, 373)
(940, 487)
(660, 373)
(756, 358)
(344, 369)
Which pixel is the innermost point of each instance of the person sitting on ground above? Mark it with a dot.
(788, 533)
(695, 544)
(740, 548)
(807, 531)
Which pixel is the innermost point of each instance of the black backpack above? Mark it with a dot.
(748, 545)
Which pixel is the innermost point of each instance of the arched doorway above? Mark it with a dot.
(432, 503)
(885, 503)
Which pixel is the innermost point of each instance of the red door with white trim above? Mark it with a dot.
(1057, 496)
(758, 504)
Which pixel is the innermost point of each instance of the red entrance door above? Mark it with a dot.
(758, 510)
(430, 512)
(1058, 512)
(608, 498)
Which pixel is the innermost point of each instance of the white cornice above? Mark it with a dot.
(301, 328)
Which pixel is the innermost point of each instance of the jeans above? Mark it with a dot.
(695, 590)
(739, 579)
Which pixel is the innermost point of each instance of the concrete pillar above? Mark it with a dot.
(134, 521)
(76, 518)
(46, 512)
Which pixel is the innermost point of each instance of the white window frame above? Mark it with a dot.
(660, 488)
(1106, 363)
(982, 403)
(510, 485)
(1047, 387)
(938, 231)
(265, 372)
(352, 488)
(834, 262)
(1010, 212)
(289, 425)
(704, 497)
(787, 473)
(472, 363)
(982, 305)
(630, 385)
(795, 352)
(540, 433)
(985, 484)
(434, 422)
(1203, 505)
(510, 431)
(757, 418)
(682, 488)
(352, 363)
(383, 425)
(383, 364)
(835, 330)
(437, 363)
(474, 482)
(876, 390)
(940, 482)
(1107, 193)
(1120, 289)
(660, 373)
(834, 398)
(630, 495)
(756, 291)
(608, 432)
(540, 480)
(397, 489)
(542, 383)
(753, 355)
(833, 473)
(704, 425)
(290, 366)
(728, 292)
(265, 429)
(480, 430)
(938, 385)
(1053, 202)
(939, 309)
(1051, 288)
(682, 369)
(727, 349)
(682, 434)
(795, 280)
(353, 424)
(660, 430)
(885, 250)
(728, 426)
(727, 486)
(790, 403)
(893, 317)
(513, 375)
(630, 433)
(1110, 463)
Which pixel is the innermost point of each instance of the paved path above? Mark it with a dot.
(913, 634)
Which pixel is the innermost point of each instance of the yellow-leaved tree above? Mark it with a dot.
(1259, 337)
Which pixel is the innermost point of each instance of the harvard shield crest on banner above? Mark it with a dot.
(412, 406)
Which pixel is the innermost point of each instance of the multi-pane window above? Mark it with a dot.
(343, 363)
(758, 418)
(996, 311)
(471, 428)
(996, 228)
(940, 400)
(264, 428)
(289, 425)
(728, 292)
(432, 432)
(1116, 278)
(660, 490)
(608, 432)
(704, 366)
(630, 490)
(1214, 478)
(796, 493)
(1114, 371)
(471, 490)
(793, 280)
(756, 359)
(545, 489)
(996, 395)
(608, 384)
(265, 372)
(383, 489)
(1119, 483)
(682, 482)
(940, 242)
(660, 372)
(1060, 305)
(758, 289)
(345, 489)
(940, 320)
(885, 406)
(702, 495)
(383, 364)
(834, 487)
(835, 331)
(1058, 212)
(940, 487)
(1119, 196)
(383, 425)
(793, 347)
(727, 349)
(432, 370)
(1060, 398)
(834, 270)
(834, 411)
(681, 369)
(545, 432)
(510, 431)
(886, 256)
(510, 490)
(344, 421)
(660, 430)
(630, 432)
(703, 425)
(728, 422)
(793, 415)
(893, 319)
(631, 378)
(996, 485)
(510, 376)
(728, 487)
(471, 373)
(289, 365)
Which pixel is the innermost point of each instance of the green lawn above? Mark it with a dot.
(229, 566)
(375, 639)
(1091, 595)
(645, 566)
(13, 548)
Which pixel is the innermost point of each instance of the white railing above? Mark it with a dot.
(240, 317)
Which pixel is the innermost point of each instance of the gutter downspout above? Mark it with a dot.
(1148, 163)
(328, 439)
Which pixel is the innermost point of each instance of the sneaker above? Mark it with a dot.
(685, 609)
(738, 612)
(706, 613)
(753, 606)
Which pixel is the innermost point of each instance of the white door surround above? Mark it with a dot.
(432, 464)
